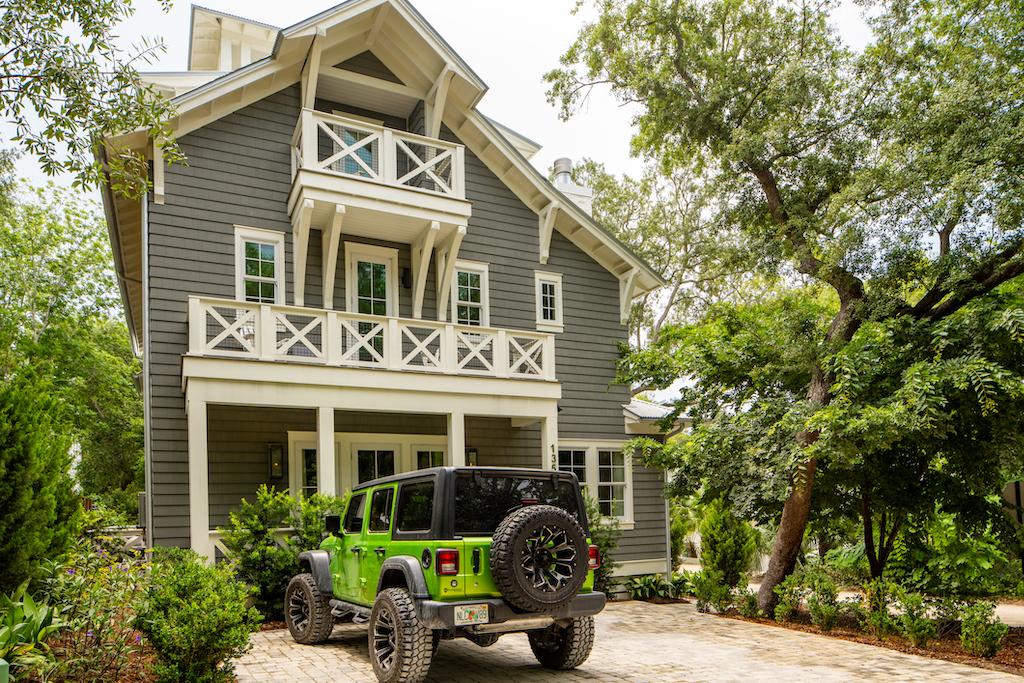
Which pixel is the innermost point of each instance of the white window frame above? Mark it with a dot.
(245, 234)
(541, 278)
(625, 521)
(485, 295)
(356, 251)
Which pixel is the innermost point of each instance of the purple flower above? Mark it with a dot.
(71, 571)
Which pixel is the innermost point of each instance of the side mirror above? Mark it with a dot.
(333, 523)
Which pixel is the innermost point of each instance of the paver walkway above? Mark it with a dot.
(636, 642)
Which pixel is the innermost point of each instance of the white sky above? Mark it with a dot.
(510, 45)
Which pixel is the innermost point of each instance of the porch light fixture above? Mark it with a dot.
(275, 453)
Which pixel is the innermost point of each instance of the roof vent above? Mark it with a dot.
(583, 197)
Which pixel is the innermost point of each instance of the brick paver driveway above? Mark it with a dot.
(636, 642)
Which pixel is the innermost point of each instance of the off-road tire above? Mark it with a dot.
(400, 647)
(558, 647)
(307, 611)
(539, 558)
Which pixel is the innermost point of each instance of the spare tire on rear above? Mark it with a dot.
(539, 558)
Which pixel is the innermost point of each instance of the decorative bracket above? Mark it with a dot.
(547, 226)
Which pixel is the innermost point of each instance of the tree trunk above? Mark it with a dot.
(796, 510)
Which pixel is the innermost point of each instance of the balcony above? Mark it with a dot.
(234, 329)
(391, 183)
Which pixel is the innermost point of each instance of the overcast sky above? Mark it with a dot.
(510, 45)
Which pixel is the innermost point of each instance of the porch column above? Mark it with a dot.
(199, 480)
(457, 439)
(325, 476)
(549, 441)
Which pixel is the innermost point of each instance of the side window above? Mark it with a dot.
(354, 517)
(380, 510)
(549, 301)
(415, 506)
(469, 294)
(259, 265)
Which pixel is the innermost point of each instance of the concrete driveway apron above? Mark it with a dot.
(636, 642)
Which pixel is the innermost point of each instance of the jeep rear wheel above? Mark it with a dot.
(564, 647)
(307, 611)
(400, 647)
(539, 558)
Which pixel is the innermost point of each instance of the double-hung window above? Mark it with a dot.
(259, 265)
(550, 317)
(469, 294)
(604, 473)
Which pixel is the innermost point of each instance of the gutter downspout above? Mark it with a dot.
(147, 383)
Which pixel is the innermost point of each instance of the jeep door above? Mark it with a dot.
(375, 541)
(345, 562)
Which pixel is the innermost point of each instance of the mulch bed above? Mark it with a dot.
(1010, 659)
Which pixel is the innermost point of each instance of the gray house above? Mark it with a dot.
(357, 273)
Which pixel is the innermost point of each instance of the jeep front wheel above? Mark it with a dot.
(539, 558)
(564, 647)
(307, 611)
(400, 647)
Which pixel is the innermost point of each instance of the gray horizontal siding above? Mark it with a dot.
(499, 444)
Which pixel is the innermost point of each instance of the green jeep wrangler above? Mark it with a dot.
(443, 553)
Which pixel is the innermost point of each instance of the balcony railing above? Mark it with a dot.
(325, 142)
(234, 329)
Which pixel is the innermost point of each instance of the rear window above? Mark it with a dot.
(482, 501)
(416, 506)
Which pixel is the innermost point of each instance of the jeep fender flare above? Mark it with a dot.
(318, 563)
(403, 570)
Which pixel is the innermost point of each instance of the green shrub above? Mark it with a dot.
(647, 587)
(877, 620)
(24, 626)
(847, 566)
(791, 593)
(912, 618)
(680, 585)
(96, 592)
(727, 543)
(948, 613)
(747, 603)
(195, 618)
(604, 533)
(823, 601)
(711, 591)
(264, 558)
(981, 632)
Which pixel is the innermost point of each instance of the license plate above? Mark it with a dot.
(470, 614)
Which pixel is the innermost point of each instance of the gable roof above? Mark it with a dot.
(407, 47)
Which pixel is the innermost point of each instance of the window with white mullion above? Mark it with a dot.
(604, 474)
(259, 265)
(550, 317)
(611, 488)
(470, 295)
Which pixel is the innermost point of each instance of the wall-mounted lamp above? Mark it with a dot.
(407, 278)
(275, 453)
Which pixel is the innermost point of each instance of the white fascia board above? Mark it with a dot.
(650, 280)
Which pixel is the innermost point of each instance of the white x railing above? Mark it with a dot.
(237, 329)
(327, 142)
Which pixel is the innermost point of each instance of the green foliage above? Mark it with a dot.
(823, 601)
(649, 586)
(981, 632)
(710, 590)
(195, 618)
(877, 596)
(747, 603)
(25, 625)
(264, 557)
(96, 593)
(790, 592)
(62, 69)
(847, 566)
(680, 585)
(604, 533)
(948, 613)
(727, 543)
(40, 512)
(912, 618)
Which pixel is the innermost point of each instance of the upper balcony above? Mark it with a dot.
(236, 329)
(390, 183)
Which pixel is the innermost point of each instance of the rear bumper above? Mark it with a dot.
(501, 617)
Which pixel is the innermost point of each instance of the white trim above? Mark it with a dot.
(245, 234)
(640, 567)
(346, 444)
(357, 251)
(485, 296)
(540, 278)
(625, 521)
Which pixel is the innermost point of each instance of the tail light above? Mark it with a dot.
(595, 557)
(447, 562)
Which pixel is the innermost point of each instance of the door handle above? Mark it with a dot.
(357, 549)
(380, 551)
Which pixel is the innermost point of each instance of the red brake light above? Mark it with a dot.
(447, 562)
(595, 557)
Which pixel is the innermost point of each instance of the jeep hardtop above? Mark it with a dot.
(450, 552)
